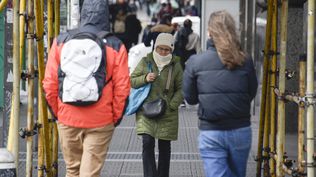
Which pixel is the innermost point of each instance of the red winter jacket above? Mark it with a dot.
(109, 109)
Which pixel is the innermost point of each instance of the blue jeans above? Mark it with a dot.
(225, 152)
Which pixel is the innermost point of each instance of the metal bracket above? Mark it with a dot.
(25, 133)
(25, 75)
(52, 120)
(310, 165)
(38, 38)
(41, 168)
(289, 74)
(30, 36)
(55, 165)
(288, 163)
(270, 53)
(307, 100)
(279, 95)
(310, 99)
(24, 15)
(297, 173)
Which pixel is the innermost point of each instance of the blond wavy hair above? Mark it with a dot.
(222, 30)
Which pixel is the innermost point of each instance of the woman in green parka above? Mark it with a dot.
(165, 129)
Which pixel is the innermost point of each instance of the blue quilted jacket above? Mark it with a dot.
(224, 95)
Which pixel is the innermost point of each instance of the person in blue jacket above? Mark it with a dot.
(222, 80)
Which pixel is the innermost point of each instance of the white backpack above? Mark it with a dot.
(82, 70)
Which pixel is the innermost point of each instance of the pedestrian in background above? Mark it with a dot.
(165, 128)
(223, 81)
(164, 26)
(133, 28)
(85, 132)
(187, 42)
(146, 31)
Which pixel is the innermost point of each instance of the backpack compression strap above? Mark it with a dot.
(104, 34)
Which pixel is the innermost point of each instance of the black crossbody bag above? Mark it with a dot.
(156, 108)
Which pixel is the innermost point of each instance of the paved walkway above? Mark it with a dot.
(124, 157)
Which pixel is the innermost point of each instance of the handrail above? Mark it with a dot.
(3, 3)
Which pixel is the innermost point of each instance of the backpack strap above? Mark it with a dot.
(64, 37)
(104, 34)
(168, 79)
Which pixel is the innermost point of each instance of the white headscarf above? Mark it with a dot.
(161, 61)
(163, 39)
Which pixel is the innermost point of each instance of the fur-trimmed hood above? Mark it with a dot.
(162, 28)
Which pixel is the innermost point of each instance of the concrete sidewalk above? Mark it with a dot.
(124, 157)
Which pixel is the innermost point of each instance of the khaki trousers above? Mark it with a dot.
(84, 150)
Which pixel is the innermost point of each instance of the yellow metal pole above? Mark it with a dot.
(40, 49)
(281, 105)
(22, 30)
(55, 130)
(273, 84)
(43, 120)
(15, 109)
(53, 149)
(301, 113)
(266, 134)
(50, 20)
(3, 3)
(57, 17)
(310, 138)
(30, 84)
(11, 131)
(264, 88)
(40, 149)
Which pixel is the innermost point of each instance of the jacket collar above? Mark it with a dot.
(210, 44)
(150, 58)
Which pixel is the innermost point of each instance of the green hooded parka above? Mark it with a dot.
(166, 127)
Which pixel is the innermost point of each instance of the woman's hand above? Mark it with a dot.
(150, 77)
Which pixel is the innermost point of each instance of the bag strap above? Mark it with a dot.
(104, 34)
(149, 67)
(169, 79)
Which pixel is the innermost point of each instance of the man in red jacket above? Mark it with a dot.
(86, 131)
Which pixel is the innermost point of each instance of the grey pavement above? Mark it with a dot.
(124, 156)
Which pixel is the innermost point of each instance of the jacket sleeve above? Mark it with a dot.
(121, 84)
(177, 98)
(189, 89)
(50, 81)
(138, 77)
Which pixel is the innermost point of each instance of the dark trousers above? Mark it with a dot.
(149, 162)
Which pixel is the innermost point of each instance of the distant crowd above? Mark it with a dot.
(127, 27)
